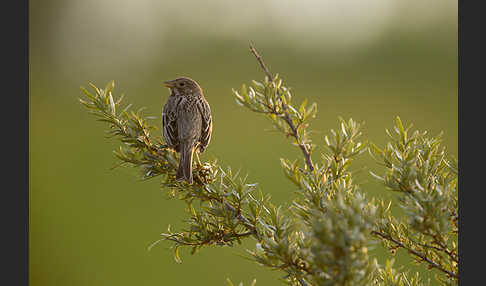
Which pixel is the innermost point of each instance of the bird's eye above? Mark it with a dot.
(181, 84)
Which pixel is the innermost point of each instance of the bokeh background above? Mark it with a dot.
(90, 225)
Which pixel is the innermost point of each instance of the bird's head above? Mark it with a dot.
(183, 85)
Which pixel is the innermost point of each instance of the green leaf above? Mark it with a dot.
(244, 92)
(376, 176)
(92, 97)
(345, 165)
(294, 111)
(400, 126)
(112, 104)
(302, 106)
(177, 258)
(343, 128)
(312, 110)
(229, 282)
(109, 87)
(259, 86)
(95, 88)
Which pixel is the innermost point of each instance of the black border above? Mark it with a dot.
(15, 152)
(471, 65)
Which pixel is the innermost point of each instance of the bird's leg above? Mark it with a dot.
(196, 151)
(197, 159)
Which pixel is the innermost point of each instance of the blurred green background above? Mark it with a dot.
(90, 225)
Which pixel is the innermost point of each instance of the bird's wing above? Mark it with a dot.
(207, 124)
(169, 123)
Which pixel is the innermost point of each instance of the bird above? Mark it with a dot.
(187, 123)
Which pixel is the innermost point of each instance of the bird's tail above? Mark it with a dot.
(184, 172)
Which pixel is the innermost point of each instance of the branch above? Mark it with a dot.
(444, 248)
(286, 115)
(416, 253)
(441, 249)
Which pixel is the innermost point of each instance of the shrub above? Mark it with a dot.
(324, 236)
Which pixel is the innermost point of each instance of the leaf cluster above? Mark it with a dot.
(418, 168)
(133, 130)
(274, 99)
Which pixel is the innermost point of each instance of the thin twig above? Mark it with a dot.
(441, 249)
(416, 253)
(286, 115)
(237, 212)
(251, 228)
(262, 64)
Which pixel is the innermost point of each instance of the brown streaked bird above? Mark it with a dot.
(186, 123)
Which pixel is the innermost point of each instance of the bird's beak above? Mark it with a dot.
(169, 83)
